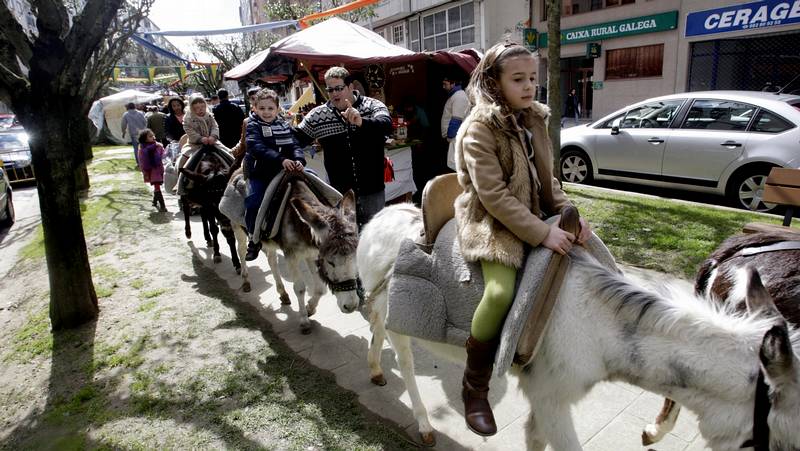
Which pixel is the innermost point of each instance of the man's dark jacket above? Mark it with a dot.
(229, 118)
(353, 155)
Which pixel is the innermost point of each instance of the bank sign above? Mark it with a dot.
(763, 14)
(617, 29)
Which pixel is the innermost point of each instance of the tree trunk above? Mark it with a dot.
(554, 80)
(73, 300)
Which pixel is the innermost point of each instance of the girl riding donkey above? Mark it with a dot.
(151, 154)
(271, 146)
(504, 161)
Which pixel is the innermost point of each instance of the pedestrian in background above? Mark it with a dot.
(229, 117)
(155, 122)
(133, 121)
(456, 109)
(173, 124)
(572, 107)
(151, 154)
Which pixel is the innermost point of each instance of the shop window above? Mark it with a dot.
(635, 62)
(767, 122)
(452, 27)
(718, 115)
(413, 35)
(572, 7)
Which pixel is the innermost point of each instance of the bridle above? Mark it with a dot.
(333, 285)
(760, 440)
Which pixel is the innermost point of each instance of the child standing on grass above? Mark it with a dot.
(504, 161)
(151, 154)
(271, 146)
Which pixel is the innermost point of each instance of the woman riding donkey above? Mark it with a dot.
(504, 161)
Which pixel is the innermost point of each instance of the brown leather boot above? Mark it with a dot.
(477, 411)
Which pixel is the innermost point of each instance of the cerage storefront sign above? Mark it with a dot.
(617, 29)
(766, 13)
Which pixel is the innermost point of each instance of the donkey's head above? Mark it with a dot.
(781, 404)
(336, 234)
(773, 420)
(210, 176)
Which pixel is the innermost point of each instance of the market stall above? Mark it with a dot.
(408, 83)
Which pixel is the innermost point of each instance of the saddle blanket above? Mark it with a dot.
(434, 296)
(224, 157)
(274, 203)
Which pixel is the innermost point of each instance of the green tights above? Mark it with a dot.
(498, 294)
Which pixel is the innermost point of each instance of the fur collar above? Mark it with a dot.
(491, 114)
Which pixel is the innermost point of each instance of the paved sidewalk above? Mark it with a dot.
(611, 418)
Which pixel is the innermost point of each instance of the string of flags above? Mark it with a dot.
(180, 73)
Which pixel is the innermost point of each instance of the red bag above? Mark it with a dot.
(388, 170)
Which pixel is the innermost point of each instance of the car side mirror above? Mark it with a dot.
(615, 130)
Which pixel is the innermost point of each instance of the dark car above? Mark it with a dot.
(6, 202)
(16, 155)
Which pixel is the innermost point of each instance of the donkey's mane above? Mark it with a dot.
(678, 313)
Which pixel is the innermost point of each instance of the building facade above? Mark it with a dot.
(616, 52)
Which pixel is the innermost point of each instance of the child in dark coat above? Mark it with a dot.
(271, 146)
(151, 153)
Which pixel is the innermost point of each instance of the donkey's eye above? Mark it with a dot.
(333, 265)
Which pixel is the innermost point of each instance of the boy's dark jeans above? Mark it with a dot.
(252, 202)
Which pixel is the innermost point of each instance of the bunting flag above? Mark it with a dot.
(115, 73)
(243, 29)
(181, 70)
(151, 73)
(213, 71)
(304, 21)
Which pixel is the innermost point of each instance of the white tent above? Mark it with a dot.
(108, 111)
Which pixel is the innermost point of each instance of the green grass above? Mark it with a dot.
(113, 166)
(147, 306)
(660, 234)
(154, 293)
(33, 339)
(137, 283)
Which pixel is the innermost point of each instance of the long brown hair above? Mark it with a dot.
(484, 85)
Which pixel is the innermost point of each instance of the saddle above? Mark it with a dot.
(277, 196)
(224, 157)
(434, 292)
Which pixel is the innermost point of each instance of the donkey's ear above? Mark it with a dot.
(777, 356)
(348, 205)
(757, 297)
(314, 220)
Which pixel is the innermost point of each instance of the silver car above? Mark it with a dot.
(721, 142)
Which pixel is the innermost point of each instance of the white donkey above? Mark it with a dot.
(606, 328)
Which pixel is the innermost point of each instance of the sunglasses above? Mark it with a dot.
(335, 88)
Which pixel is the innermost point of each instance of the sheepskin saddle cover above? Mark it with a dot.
(433, 296)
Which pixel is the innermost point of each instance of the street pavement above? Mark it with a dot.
(26, 207)
(610, 418)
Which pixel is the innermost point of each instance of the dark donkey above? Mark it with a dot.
(776, 256)
(206, 184)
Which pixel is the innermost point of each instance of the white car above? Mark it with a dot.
(721, 142)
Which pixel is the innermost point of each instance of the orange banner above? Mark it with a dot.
(338, 10)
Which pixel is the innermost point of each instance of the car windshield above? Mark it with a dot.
(6, 122)
(10, 141)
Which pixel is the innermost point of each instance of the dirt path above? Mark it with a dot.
(175, 360)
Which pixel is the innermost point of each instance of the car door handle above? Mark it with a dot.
(655, 140)
(731, 144)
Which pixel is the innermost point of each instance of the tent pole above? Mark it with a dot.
(314, 80)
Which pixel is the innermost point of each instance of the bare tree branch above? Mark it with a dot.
(12, 32)
(88, 29)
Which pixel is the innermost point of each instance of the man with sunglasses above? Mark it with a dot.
(352, 130)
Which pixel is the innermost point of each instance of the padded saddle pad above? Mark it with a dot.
(277, 197)
(232, 202)
(224, 157)
(434, 296)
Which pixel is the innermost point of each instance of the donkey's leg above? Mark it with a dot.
(241, 247)
(295, 272)
(550, 422)
(272, 260)
(226, 228)
(317, 288)
(205, 219)
(664, 423)
(405, 360)
(210, 221)
(533, 438)
(378, 328)
(187, 212)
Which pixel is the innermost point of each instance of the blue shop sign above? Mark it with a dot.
(762, 14)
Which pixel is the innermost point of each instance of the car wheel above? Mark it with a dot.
(575, 167)
(747, 191)
(9, 213)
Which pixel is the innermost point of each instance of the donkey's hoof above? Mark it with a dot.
(246, 287)
(188, 234)
(209, 243)
(285, 299)
(217, 258)
(238, 270)
(428, 439)
(648, 439)
(311, 310)
(378, 380)
(305, 329)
